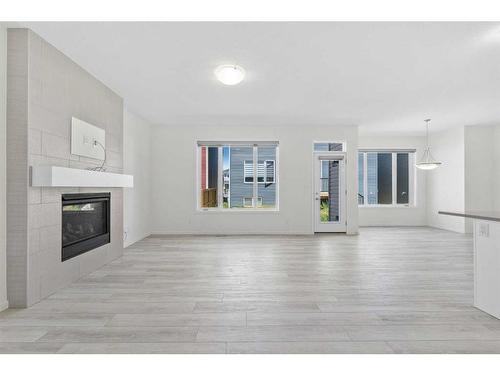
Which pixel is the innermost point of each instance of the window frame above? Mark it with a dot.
(255, 145)
(412, 188)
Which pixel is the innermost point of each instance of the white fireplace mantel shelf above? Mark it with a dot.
(52, 176)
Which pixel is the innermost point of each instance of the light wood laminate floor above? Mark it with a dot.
(388, 290)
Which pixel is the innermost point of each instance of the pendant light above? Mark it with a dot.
(230, 74)
(427, 162)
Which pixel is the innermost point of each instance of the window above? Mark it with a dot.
(265, 171)
(385, 178)
(228, 178)
(329, 146)
(269, 171)
(248, 202)
(248, 171)
(402, 179)
(325, 173)
(361, 174)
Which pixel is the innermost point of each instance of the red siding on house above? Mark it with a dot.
(203, 168)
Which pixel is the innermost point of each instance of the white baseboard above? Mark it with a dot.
(180, 233)
(4, 305)
(393, 225)
(137, 240)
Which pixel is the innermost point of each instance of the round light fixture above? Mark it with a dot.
(428, 166)
(428, 162)
(230, 74)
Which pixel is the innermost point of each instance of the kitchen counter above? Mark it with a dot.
(482, 215)
(486, 226)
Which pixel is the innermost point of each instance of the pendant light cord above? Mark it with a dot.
(427, 133)
(427, 161)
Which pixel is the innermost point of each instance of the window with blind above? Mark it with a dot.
(265, 171)
(238, 175)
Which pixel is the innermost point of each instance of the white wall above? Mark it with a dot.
(3, 126)
(446, 184)
(479, 166)
(496, 170)
(137, 162)
(469, 177)
(174, 189)
(397, 216)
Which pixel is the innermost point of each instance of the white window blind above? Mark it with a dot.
(248, 170)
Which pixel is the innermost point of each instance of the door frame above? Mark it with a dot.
(317, 226)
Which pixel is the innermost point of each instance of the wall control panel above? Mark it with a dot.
(87, 140)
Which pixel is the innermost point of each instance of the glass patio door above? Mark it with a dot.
(329, 193)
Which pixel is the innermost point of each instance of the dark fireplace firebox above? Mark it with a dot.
(85, 223)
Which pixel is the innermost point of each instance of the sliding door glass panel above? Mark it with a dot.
(240, 177)
(402, 188)
(330, 190)
(209, 176)
(361, 185)
(384, 178)
(266, 177)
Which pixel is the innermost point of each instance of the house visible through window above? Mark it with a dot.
(228, 178)
(385, 177)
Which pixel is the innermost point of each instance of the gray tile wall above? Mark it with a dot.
(3, 166)
(48, 90)
(17, 167)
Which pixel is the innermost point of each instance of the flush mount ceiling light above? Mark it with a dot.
(427, 162)
(230, 74)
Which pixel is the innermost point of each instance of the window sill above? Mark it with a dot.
(387, 206)
(237, 210)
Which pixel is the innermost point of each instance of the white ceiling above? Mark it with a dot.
(381, 76)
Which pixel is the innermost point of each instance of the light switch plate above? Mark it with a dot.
(83, 137)
(484, 229)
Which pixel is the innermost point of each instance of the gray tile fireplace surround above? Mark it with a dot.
(44, 90)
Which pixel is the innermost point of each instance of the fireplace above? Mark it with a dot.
(85, 223)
